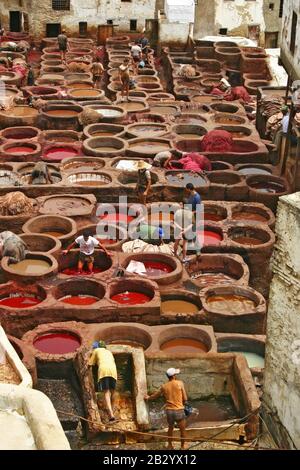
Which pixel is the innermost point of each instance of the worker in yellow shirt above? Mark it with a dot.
(107, 373)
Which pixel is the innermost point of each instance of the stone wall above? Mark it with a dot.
(12, 5)
(290, 61)
(281, 396)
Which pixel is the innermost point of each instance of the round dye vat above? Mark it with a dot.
(79, 299)
(75, 272)
(253, 171)
(210, 237)
(131, 298)
(86, 92)
(107, 112)
(20, 301)
(59, 153)
(123, 342)
(21, 111)
(156, 268)
(19, 149)
(57, 343)
(211, 278)
(213, 216)
(253, 359)
(29, 267)
(54, 234)
(230, 303)
(182, 179)
(247, 241)
(268, 187)
(172, 307)
(62, 113)
(183, 345)
(117, 218)
(252, 216)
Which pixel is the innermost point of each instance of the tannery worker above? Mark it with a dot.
(40, 174)
(193, 198)
(87, 245)
(163, 159)
(107, 373)
(175, 396)
(97, 70)
(144, 181)
(124, 76)
(62, 44)
(12, 245)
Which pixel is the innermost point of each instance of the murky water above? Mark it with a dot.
(29, 267)
(172, 307)
(229, 303)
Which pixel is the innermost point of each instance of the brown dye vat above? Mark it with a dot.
(54, 233)
(152, 146)
(205, 279)
(229, 120)
(247, 241)
(249, 216)
(229, 303)
(86, 92)
(62, 113)
(64, 203)
(132, 106)
(124, 342)
(84, 165)
(169, 110)
(173, 307)
(183, 345)
(21, 111)
(29, 267)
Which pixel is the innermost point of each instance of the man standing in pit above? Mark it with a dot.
(97, 70)
(62, 44)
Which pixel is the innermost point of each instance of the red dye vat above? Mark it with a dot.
(107, 241)
(22, 301)
(75, 272)
(131, 298)
(156, 268)
(57, 343)
(210, 237)
(213, 217)
(79, 299)
(19, 149)
(59, 153)
(117, 218)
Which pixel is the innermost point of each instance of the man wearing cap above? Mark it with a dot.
(144, 181)
(107, 373)
(175, 395)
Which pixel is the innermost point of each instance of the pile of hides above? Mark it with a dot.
(195, 162)
(16, 203)
(217, 141)
(89, 116)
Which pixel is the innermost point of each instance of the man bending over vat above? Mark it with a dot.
(12, 245)
(107, 373)
(175, 396)
(87, 245)
(40, 174)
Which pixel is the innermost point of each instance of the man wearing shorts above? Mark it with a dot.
(175, 395)
(124, 76)
(143, 184)
(107, 373)
(97, 70)
(87, 246)
(62, 44)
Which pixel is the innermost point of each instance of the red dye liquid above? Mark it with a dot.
(213, 217)
(211, 238)
(79, 299)
(107, 241)
(75, 272)
(20, 302)
(57, 343)
(19, 149)
(156, 268)
(131, 298)
(59, 153)
(117, 218)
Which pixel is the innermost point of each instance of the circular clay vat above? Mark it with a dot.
(216, 166)
(253, 169)
(10, 78)
(174, 304)
(128, 178)
(61, 136)
(231, 120)
(8, 177)
(58, 152)
(133, 106)
(34, 266)
(267, 184)
(61, 116)
(164, 109)
(237, 132)
(231, 300)
(163, 269)
(161, 97)
(210, 235)
(189, 145)
(211, 269)
(57, 342)
(20, 150)
(67, 205)
(143, 147)
(131, 292)
(101, 146)
(22, 299)
(147, 130)
(77, 84)
(186, 131)
(26, 133)
(89, 179)
(214, 212)
(252, 349)
(43, 92)
(59, 227)
(243, 146)
(85, 94)
(182, 339)
(82, 164)
(128, 335)
(109, 231)
(224, 108)
(103, 130)
(41, 243)
(224, 177)
(68, 264)
(191, 119)
(249, 236)
(18, 116)
(182, 177)
(109, 113)
(78, 293)
(248, 213)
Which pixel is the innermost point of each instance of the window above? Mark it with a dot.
(281, 8)
(60, 4)
(110, 22)
(82, 28)
(53, 30)
(293, 32)
(223, 31)
(125, 0)
(271, 6)
(133, 24)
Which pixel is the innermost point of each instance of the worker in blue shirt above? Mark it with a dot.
(193, 198)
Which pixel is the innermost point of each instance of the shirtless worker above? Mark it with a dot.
(97, 70)
(62, 44)
(144, 181)
(124, 76)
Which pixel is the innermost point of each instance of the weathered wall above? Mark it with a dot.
(205, 19)
(291, 61)
(272, 20)
(173, 33)
(12, 5)
(281, 396)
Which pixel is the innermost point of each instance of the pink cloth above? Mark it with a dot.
(217, 141)
(217, 91)
(238, 93)
(195, 162)
(20, 70)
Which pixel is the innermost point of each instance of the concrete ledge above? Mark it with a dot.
(15, 361)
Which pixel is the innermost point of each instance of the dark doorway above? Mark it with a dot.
(15, 21)
(82, 29)
(53, 30)
(293, 32)
(271, 40)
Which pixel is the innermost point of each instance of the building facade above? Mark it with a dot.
(290, 42)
